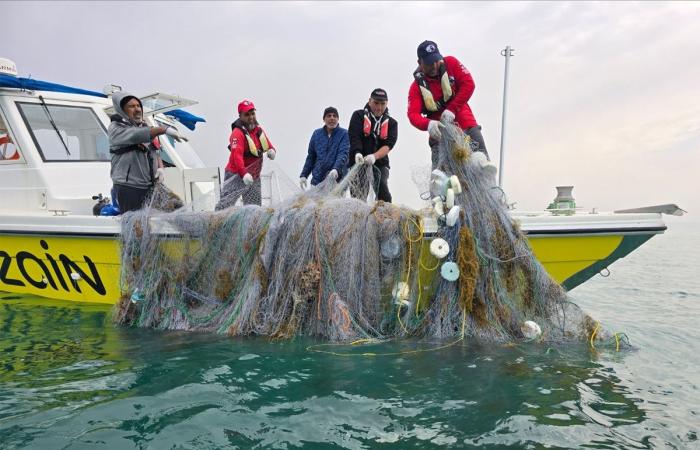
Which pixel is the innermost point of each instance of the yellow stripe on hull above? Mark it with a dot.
(84, 269)
(565, 256)
(42, 265)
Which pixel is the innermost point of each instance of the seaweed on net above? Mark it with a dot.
(320, 263)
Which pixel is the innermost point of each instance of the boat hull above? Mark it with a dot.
(572, 260)
(78, 268)
(86, 267)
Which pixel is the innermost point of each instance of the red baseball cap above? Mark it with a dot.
(245, 106)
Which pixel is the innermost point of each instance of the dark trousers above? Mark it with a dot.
(360, 187)
(477, 145)
(130, 198)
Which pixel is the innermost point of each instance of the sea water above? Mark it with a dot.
(69, 379)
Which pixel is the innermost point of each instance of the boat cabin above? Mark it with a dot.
(54, 149)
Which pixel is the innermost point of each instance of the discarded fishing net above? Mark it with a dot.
(319, 263)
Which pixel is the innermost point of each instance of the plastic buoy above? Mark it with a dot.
(439, 248)
(137, 297)
(401, 292)
(437, 206)
(450, 271)
(455, 184)
(438, 175)
(531, 330)
(450, 198)
(452, 216)
(438, 183)
(390, 248)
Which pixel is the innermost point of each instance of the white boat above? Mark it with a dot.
(54, 159)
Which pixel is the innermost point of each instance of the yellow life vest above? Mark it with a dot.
(252, 148)
(429, 102)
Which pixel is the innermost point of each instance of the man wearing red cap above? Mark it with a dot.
(439, 95)
(247, 143)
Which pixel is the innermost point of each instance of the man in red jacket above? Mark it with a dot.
(439, 95)
(247, 143)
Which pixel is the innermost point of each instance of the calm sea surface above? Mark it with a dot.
(69, 379)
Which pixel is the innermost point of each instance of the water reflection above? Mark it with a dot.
(70, 378)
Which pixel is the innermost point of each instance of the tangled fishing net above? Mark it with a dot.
(322, 264)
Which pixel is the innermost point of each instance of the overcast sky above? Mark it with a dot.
(603, 96)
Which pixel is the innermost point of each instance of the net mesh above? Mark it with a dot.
(320, 263)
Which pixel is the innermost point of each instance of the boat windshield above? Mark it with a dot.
(66, 133)
(184, 150)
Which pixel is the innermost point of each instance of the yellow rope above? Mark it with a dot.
(430, 269)
(315, 348)
(595, 331)
(617, 342)
(398, 316)
(410, 241)
(419, 226)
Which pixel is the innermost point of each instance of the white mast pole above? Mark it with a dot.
(507, 52)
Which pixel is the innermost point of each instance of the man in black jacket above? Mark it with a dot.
(373, 134)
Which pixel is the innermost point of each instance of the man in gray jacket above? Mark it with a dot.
(135, 164)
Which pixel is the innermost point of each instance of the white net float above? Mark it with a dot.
(437, 206)
(455, 184)
(401, 292)
(390, 248)
(452, 216)
(450, 198)
(438, 183)
(439, 248)
(530, 329)
(450, 271)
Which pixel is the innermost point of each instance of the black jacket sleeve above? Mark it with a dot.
(355, 133)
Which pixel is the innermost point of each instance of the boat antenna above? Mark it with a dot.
(507, 53)
(53, 124)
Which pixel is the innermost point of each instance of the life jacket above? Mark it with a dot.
(379, 128)
(252, 148)
(446, 85)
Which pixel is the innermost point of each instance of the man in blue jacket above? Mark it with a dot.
(328, 151)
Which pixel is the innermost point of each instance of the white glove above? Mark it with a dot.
(247, 179)
(333, 175)
(160, 175)
(271, 153)
(370, 159)
(434, 129)
(173, 133)
(359, 159)
(302, 183)
(447, 117)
